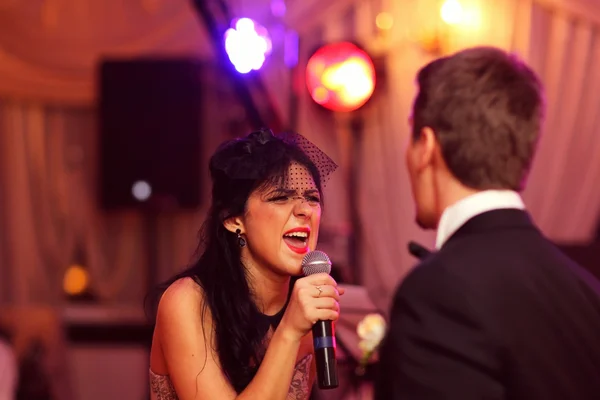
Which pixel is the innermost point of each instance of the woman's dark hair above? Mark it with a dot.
(238, 168)
(6, 334)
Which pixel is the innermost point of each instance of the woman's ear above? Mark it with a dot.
(232, 224)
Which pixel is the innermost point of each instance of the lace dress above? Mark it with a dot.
(161, 387)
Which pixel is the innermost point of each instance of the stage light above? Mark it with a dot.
(452, 12)
(76, 280)
(247, 44)
(340, 77)
(384, 21)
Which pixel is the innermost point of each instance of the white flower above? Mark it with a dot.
(371, 331)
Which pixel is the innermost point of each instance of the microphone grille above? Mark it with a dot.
(316, 262)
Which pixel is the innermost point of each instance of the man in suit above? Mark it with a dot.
(497, 312)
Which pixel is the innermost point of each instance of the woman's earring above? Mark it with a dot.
(240, 238)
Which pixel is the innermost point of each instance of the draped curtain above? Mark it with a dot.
(563, 193)
(51, 212)
(49, 48)
(49, 215)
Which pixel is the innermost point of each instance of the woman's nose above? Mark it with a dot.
(301, 207)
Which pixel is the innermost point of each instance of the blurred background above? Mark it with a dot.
(110, 109)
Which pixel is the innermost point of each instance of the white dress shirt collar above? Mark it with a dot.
(463, 210)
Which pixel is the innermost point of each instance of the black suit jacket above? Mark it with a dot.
(497, 313)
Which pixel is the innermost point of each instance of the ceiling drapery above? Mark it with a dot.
(49, 49)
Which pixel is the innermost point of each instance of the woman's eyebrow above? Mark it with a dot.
(282, 190)
(288, 191)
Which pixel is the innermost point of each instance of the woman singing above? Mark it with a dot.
(237, 323)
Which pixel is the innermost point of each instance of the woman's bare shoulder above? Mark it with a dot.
(184, 298)
(184, 288)
(184, 330)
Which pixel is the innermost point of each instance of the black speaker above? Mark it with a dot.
(150, 119)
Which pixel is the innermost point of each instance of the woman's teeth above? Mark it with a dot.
(297, 234)
(296, 238)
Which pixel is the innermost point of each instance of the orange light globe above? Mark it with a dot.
(340, 77)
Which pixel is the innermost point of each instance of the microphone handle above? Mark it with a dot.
(324, 344)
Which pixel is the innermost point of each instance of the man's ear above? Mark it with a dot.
(232, 224)
(427, 145)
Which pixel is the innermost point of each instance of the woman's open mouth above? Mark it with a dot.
(297, 239)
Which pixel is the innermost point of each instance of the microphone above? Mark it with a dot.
(418, 250)
(316, 262)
